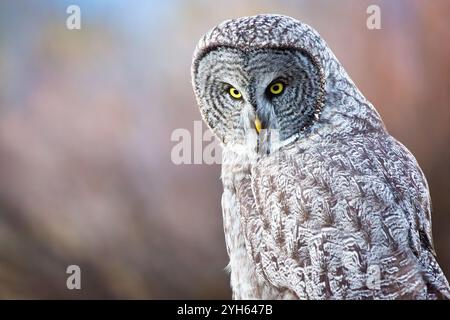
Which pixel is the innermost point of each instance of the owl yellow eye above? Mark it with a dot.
(234, 93)
(276, 88)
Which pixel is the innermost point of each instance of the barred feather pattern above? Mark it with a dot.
(317, 219)
(339, 209)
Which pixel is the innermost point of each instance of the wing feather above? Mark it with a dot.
(342, 219)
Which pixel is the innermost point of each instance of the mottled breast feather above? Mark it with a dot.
(326, 213)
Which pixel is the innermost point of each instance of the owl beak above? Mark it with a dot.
(258, 125)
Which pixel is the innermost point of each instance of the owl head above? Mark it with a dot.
(268, 72)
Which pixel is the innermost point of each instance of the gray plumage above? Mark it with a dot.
(323, 203)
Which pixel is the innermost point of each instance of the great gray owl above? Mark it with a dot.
(319, 201)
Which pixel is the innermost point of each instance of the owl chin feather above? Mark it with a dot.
(260, 139)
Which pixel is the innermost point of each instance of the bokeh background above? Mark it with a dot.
(86, 119)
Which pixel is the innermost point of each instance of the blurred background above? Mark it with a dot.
(86, 118)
